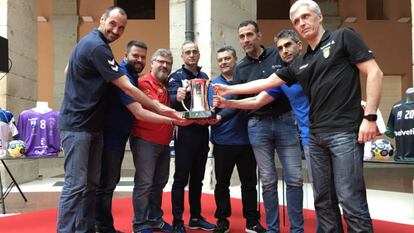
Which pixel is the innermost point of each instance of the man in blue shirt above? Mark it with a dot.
(120, 113)
(232, 148)
(91, 67)
(271, 127)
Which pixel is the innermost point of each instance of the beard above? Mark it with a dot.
(162, 76)
(133, 69)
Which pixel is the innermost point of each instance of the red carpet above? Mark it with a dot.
(45, 221)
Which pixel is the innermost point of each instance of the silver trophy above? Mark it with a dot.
(200, 109)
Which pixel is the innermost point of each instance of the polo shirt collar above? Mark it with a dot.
(96, 30)
(221, 77)
(191, 73)
(263, 55)
(326, 35)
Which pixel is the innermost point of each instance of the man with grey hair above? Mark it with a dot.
(149, 143)
(329, 74)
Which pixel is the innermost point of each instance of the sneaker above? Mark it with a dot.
(162, 227)
(256, 228)
(145, 230)
(200, 223)
(99, 231)
(179, 229)
(222, 227)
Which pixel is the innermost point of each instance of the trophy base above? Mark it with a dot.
(199, 115)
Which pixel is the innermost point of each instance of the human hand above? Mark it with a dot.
(219, 102)
(207, 121)
(367, 131)
(181, 93)
(169, 112)
(221, 89)
(183, 122)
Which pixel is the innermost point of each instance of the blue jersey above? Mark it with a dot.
(300, 107)
(91, 67)
(232, 131)
(118, 119)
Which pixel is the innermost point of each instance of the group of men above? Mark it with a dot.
(309, 107)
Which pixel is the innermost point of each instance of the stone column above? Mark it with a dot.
(18, 91)
(212, 28)
(65, 33)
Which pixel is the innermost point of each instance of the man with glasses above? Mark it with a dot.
(150, 148)
(190, 144)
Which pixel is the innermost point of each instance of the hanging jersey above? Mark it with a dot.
(401, 122)
(7, 127)
(40, 133)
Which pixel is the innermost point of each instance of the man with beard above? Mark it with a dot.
(151, 152)
(90, 69)
(120, 113)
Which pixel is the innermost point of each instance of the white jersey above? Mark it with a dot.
(7, 128)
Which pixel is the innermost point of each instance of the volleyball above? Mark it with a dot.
(16, 148)
(382, 149)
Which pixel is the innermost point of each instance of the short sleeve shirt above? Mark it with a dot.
(153, 132)
(401, 122)
(91, 67)
(249, 69)
(118, 119)
(330, 79)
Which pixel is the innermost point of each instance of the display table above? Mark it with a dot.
(4, 191)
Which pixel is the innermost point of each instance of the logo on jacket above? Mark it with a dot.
(114, 67)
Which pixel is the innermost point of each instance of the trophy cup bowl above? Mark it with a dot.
(200, 109)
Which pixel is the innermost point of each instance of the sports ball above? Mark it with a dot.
(16, 148)
(382, 149)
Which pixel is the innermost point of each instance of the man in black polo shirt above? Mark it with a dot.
(270, 127)
(329, 75)
(91, 67)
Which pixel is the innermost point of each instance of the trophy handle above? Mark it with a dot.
(208, 93)
(185, 107)
(184, 84)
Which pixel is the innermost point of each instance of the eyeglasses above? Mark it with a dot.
(161, 62)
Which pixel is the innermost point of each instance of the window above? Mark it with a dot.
(138, 9)
(271, 9)
(375, 10)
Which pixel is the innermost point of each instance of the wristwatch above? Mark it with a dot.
(371, 117)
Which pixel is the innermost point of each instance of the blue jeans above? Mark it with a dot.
(337, 166)
(267, 133)
(111, 167)
(83, 152)
(306, 152)
(152, 167)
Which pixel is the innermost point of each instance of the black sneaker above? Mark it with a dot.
(256, 228)
(179, 229)
(222, 227)
(200, 223)
(162, 227)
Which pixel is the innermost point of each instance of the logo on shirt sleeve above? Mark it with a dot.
(114, 67)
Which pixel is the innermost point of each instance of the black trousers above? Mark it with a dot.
(225, 158)
(191, 150)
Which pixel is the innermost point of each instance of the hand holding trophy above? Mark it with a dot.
(200, 108)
